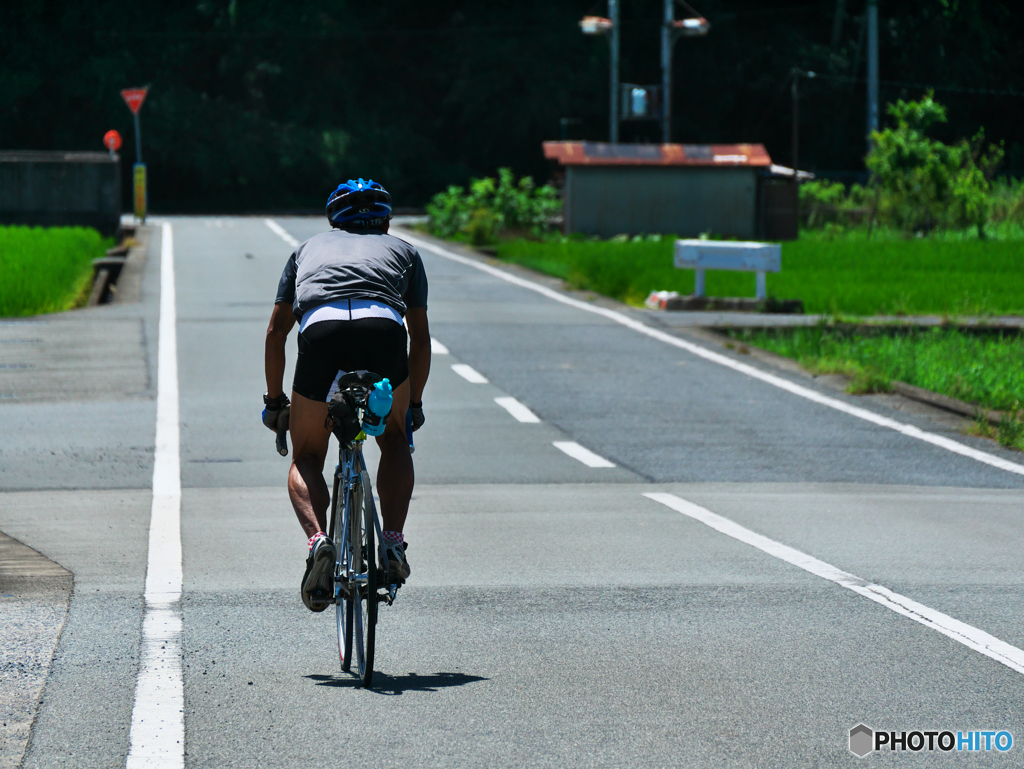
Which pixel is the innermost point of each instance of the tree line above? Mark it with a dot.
(256, 105)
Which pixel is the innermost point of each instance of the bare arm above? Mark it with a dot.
(419, 351)
(281, 322)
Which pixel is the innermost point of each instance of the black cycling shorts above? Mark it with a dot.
(329, 346)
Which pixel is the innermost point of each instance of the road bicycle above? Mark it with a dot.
(361, 578)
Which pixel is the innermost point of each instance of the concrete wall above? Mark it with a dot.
(611, 200)
(60, 189)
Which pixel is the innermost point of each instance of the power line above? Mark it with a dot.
(924, 86)
(313, 35)
(778, 95)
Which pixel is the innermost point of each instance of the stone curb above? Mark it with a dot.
(24, 570)
(35, 594)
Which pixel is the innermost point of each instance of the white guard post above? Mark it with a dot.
(748, 256)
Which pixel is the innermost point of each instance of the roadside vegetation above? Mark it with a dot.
(932, 233)
(979, 368)
(46, 269)
(494, 208)
(920, 186)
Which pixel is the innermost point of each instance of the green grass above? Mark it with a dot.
(839, 276)
(1010, 230)
(46, 269)
(984, 369)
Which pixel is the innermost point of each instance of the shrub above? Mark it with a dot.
(922, 183)
(918, 183)
(1007, 201)
(820, 201)
(828, 204)
(492, 205)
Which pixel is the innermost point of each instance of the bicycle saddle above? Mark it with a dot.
(361, 379)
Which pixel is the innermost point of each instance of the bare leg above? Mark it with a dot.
(395, 474)
(307, 488)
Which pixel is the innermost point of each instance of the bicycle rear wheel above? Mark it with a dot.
(357, 623)
(339, 535)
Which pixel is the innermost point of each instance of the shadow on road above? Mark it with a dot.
(392, 685)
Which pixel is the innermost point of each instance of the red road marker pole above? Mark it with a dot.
(134, 97)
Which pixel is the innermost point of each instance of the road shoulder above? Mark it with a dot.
(707, 335)
(34, 595)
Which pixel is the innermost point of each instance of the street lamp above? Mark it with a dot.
(671, 30)
(796, 74)
(872, 23)
(595, 25)
(598, 25)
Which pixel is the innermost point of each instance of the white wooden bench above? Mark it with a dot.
(701, 255)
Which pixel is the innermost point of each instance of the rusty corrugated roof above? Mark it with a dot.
(603, 154)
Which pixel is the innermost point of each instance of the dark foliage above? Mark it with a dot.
(267, 105)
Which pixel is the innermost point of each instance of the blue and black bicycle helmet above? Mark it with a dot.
(359, 203)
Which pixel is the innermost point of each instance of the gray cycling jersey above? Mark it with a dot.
(353, 265)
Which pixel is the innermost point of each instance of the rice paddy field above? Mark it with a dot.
(850, 277)
(986, 369)
(46, 269)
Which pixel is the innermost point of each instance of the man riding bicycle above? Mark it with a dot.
(349, 289)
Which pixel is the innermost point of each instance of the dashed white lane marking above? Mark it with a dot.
(869, 416)
(469, 373)
(158, 725)
(281, 232)
(586, 456)
(437, 348)
(517, 409)
(969, 636)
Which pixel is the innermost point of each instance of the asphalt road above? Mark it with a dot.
(556, 616)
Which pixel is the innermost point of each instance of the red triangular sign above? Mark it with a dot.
(134, 97)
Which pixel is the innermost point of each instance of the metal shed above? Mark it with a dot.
(684, 189)
(60, 188)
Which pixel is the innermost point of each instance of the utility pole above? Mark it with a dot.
(596, 25)
(671, 30)
(795, 92)
(613, 16)
(872, 19)
(666, 72)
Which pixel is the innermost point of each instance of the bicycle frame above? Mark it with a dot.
(350, 477)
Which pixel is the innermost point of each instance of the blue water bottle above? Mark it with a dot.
(378, 406)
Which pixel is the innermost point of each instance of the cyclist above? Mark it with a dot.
(349, 290)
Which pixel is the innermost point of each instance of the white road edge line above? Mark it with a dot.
(777, 381)
(586, 456)
(469, 373)
(158, 715)
(518, 410)
(281, 232)
(969, 636)
(436, 348)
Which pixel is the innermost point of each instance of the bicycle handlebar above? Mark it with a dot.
(282, 442)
